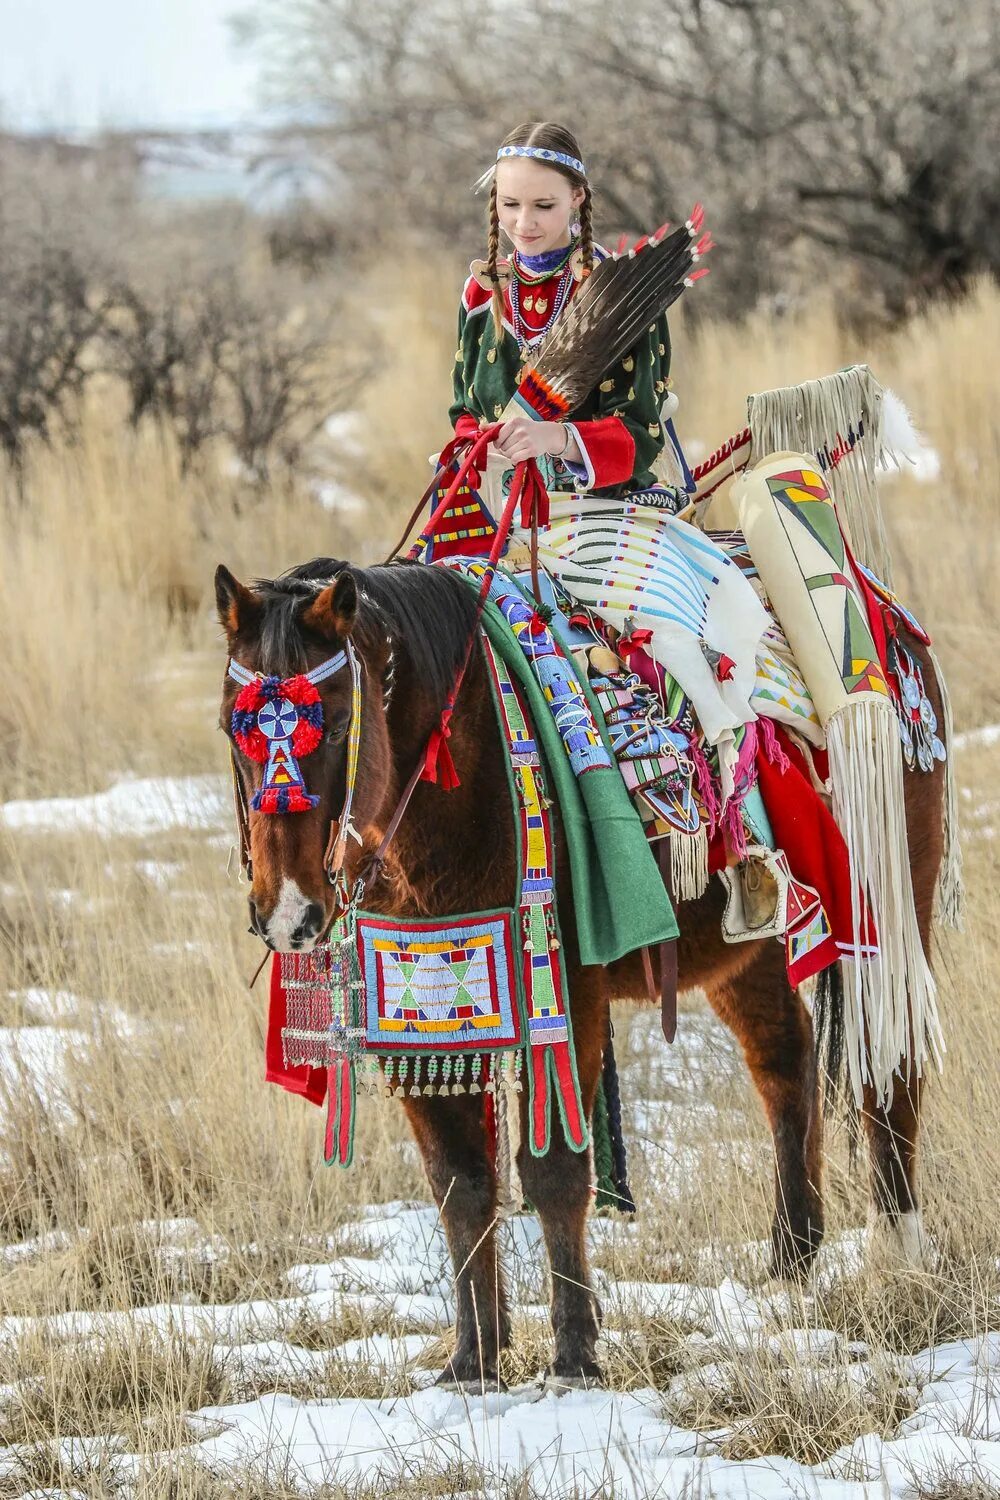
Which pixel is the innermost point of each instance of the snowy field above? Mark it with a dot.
(321, 1377)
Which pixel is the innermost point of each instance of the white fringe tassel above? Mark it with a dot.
(890, 1005)
(510, 1193)
(950, 887)
(689, 864)
(818, 415)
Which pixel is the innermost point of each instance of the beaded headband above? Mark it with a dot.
(536, 153)
(543, 153)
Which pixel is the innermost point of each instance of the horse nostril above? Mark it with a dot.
(255, 926)
(312, 921)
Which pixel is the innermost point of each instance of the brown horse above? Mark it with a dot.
(455, 851)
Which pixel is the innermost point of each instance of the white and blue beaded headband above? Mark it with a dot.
(536, 153)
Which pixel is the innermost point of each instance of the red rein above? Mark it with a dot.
(527, 490)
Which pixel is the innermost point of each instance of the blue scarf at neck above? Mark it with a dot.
(537, 265)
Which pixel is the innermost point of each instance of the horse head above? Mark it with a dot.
(304, 707)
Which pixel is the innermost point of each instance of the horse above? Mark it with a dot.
(454, 851)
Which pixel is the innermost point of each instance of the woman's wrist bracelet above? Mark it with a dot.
(569, 434)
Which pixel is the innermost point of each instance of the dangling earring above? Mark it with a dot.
(575, 227)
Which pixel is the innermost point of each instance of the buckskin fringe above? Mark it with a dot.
(689, 864)
(890, 1003)
(838, 421)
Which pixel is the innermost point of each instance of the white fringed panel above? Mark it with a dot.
(689, 864)
(891, 997)
(510, 1193)
(816, 417)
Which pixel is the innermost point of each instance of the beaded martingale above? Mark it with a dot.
(430, 1006)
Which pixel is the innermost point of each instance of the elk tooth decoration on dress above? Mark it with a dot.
(277, 721)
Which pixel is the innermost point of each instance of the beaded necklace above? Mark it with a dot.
(540, 267)
(523, 335)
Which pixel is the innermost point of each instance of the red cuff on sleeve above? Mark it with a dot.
(466, 425)
(610, 447)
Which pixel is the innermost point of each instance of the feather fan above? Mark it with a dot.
(621, 298)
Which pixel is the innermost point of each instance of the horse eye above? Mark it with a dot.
(338, 725)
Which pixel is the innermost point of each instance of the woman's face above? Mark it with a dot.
(535, 204)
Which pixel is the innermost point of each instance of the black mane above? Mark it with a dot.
(427, 612)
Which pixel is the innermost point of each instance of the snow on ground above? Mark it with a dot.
(143, 806)
(36, 1054)
(988, 734)
(586, 1440)
(583, 1442)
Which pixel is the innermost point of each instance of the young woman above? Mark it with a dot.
(611, 540)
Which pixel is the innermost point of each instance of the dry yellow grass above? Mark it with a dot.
(105, 603)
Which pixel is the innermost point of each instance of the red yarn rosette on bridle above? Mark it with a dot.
(276, 721)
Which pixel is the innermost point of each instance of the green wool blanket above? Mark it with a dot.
(620, 900)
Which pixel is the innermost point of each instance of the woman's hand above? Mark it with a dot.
(522, 438)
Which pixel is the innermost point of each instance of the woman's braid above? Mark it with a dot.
(492, 253)
(587, 229)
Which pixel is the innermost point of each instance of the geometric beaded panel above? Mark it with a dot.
(446, 985)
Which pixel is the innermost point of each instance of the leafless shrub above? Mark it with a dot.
(815, 150)
(302, 237)
(49, 314)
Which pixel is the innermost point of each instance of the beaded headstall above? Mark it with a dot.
(278, 721)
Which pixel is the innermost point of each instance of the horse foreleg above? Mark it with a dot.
(451, 1134)
(775, 1031)
(558, 1185)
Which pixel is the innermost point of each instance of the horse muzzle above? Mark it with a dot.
(294, 924)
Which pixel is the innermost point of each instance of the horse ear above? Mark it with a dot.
(236, 604)
(335, 609)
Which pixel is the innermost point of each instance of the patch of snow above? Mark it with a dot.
(38, 1053)
(143, 806)
(334, 496)
(988, 734)
(344, 429)
(159, 872)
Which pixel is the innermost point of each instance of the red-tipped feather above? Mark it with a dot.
(694, 276)
(620, 247)
(654, 239)
(605, 319)
(639, 244)
(697, 219)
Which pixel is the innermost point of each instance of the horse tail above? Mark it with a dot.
(828, 1027)
(828, 1030)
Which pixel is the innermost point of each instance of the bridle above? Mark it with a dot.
(342, 827)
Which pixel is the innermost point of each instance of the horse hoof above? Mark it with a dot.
(899, 1244)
